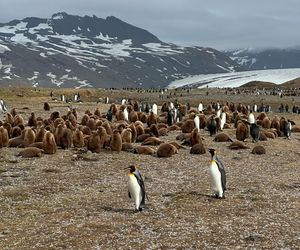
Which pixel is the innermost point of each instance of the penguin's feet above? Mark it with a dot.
(138, 210)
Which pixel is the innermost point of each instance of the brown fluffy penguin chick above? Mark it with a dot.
(36, 145)
(133, 116)
(63, 137)
(78, 140)
(31, 152)
(222, 137)
(86, 130)
(49, 143)
(266, 123)
(8, 127)
(18, 120)
(107, 127)
(262, 136)
(72, 118)
(116, 141)
(54, 115)
(120, 116)
(268, 134)
(126, 135)
(67, 139)
(237, 145)
(198, 149)
(9, 118)
(143, 117)
(70, 126)
(195, 137)
(140, 130)
(151, 119)
(296, 129)
(97, 112)
(154, 130)
(275, 123)
(13, 112)
(163, 131)
(29, 136)
(142, 137)
(188, 126)
(32, 120)
(127, 147)
(152, 141)
(242, 131)
(162, 125)
(58, 133)
(40, 134)
(84, 119)
(183, 136)
(91, 124)
(58, 121)
(16, 142)
(178, 146)
(93, 143)
(46, 106)
(258, 150)
(4, 137)
(133, 132)
(261, 116)
(166, 150)
(144, 150)
(104, 137)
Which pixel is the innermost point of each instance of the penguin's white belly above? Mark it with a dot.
(251, 119)
(200, 107)
(223, 121)
(135, 191)
(215, 180)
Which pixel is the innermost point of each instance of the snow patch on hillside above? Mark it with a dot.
(236, 79)
(3, 48)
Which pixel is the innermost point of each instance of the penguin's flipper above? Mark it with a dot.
(223, 174)
(142, 185)
(129, 195)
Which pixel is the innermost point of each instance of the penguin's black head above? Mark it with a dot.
(132, 168)
(212, 151)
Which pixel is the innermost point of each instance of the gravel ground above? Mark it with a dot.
(77, 200)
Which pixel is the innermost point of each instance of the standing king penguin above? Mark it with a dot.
(217, 175)
(136, 188)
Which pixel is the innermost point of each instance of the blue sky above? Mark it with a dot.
(221, 24)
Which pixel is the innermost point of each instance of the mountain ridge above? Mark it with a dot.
(73, 51)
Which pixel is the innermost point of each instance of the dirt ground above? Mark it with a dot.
(63, 201)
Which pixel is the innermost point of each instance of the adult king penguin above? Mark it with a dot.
(136, 188)
(287, 129)
(217, 175)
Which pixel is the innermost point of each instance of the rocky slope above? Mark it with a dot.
(73, 51)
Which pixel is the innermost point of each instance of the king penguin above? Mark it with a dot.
(217, 175)
(251, 118)
(287, 129)
(197, 122)
(136, 188)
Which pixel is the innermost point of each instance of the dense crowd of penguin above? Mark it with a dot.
(136, 127)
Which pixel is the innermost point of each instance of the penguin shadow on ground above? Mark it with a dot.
(117, 210)
(127, 211)
(206, 197)
(193, 195)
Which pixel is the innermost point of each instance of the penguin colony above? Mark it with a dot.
(122, 126)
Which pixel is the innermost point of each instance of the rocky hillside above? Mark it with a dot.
(74, 51)
(266, 59)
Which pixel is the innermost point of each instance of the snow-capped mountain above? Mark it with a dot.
(73, 51)
(254, 59)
